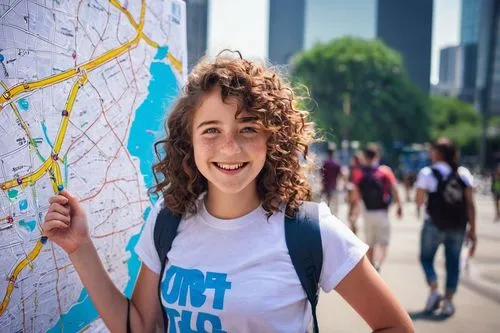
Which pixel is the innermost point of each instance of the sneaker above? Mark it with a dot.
(448, 309)
(433, 302)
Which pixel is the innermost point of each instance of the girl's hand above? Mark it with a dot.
(66, 222)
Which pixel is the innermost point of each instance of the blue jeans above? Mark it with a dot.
(431, 238)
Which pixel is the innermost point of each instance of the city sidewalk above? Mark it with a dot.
(478, 298)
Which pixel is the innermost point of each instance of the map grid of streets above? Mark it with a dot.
(84, 89)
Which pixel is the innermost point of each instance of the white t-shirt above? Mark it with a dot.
(237, 276)
(428, 182)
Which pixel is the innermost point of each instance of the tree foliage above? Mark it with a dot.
(457, 120)
(384, 105)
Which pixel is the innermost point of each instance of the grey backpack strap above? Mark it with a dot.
(303, 239)
(164, 233)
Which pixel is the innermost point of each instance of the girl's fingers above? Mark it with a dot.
(73, 201)
(56, 207)
(57, 216)
(60, 199)
(53, 225)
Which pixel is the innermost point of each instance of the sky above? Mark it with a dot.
(243, 25)
(239, 25)
(445, 30)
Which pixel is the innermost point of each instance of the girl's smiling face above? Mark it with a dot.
(229, 152)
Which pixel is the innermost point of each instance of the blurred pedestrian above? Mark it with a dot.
(354, 208)
(409, 174)
(330, 173)
(450, 206)
(495, 190)
(376, 185)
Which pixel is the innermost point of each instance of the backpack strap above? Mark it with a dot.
(442, 182)
(303, 239)
(164, 233)
(437, 175)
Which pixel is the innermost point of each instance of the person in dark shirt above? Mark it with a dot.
(330, 173)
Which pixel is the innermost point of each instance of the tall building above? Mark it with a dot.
(469, 24)
(331, 19)
(457, 72)
(197, 29)
(488, 69)
(406, 26)
(447, 67)
(286, 30)
(488, 58)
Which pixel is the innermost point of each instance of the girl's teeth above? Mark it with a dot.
(230, 166)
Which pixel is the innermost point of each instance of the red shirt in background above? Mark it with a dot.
(383, 170)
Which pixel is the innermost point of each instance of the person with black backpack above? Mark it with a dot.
(376, 186)
(449, 209)
(233, 244)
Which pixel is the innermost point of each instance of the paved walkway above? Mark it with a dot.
(478, 298)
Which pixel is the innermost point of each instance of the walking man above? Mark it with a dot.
(376, 185)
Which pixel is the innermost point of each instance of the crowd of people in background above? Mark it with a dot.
(443, 187)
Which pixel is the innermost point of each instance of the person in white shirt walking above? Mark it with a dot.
(448, 189)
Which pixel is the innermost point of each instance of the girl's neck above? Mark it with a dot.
(231, 205)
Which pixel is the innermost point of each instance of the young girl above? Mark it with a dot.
(232, 170)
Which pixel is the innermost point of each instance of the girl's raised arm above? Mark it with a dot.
(66, 225)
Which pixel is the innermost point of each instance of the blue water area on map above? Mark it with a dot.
(12, 193)
(44, 128)
(2, 58)
(23, 204)
(162, 90)
(30, 225)
(150, 117)
(23, 104)
(162, 53)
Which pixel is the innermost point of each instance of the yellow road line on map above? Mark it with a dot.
(53, 163)
(56, 169)
(33, 177)
(13, 277)
(88, 66)
(82, 70)
(68, 108)
(175, 62)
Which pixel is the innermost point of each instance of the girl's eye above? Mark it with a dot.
(249, 130)
(211, 131)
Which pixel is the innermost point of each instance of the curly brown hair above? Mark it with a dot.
(259, 91)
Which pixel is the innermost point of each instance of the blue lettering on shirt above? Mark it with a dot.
(180, 286)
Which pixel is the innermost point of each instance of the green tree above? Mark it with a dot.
(362, 92)
(457, 120)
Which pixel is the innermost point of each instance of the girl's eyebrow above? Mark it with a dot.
(209, 122)
(217, 122)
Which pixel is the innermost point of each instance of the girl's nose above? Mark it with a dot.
(231, 145)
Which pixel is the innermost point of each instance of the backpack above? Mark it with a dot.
(373, 188)
(303, 240)
(447, 207)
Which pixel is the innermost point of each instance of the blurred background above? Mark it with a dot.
(399, 73)
(395, 72)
